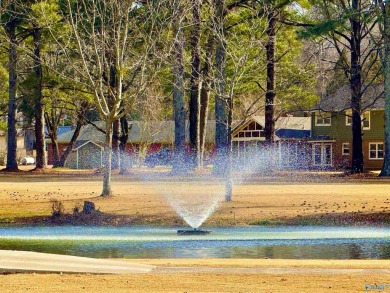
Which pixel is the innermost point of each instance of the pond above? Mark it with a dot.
(237, 242)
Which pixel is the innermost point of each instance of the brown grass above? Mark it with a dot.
(263, 201)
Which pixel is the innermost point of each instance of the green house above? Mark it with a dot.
(331, 133)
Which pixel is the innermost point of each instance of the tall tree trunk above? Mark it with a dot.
(386, 38)
(124, 159)
(12, 80)
(270, 93)
(229, 169)
(115, 145)
(107, 159)
(39, 107)
(80, 118)
(195, 83)
(179, 111)
(61, 162)
(356, 90)
(221, 115)
(52, 126)
(205, 94)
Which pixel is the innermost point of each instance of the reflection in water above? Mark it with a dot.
(252, 242)
(355, 251)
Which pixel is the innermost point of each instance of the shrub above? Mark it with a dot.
(57, 208)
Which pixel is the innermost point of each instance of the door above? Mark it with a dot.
(322, 154)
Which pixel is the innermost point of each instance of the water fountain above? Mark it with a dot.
(194, 196)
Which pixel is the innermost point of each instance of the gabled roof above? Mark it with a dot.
(285, 127)
(80, 144)
(298, 123)
(341, 100)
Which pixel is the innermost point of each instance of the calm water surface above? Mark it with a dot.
(240, 242)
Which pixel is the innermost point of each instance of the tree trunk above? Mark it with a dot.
(124, 158)
(179, 111)
(221, 115)
(270, 93)
(356, 92)
(39, 107)
(195, 83)
(386, 68)
(61, 162)
(80, 117)
(12, 80)
(107, 159)
(205, 94)
(229, 169)
(52, 126)
(115, 164)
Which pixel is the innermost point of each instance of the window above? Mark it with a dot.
(376, 151)
(322, 119)
(253, 130)
(365, 119)
(345, 149)
(348, 117)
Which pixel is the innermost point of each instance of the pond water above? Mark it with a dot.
(238, 242)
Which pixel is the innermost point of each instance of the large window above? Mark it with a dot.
(376, 151)
(323, 119)
(365, 119)
(253, 130)
(345, 149)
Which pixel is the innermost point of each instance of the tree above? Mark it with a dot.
(40, 17)
(195, 83)
(221, 107)
(10, 20)
(205, 94)
(80, 117)
(348, 26)
(115, 43)
(179, 112)
(385, 17)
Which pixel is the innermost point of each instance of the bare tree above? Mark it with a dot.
(179, 111)
(195, 83)
(115, 42)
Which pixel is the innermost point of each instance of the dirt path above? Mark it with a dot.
(229, 275)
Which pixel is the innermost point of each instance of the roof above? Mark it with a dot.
(139, 131)
(87, 133)
(341, 100)
(80, 144)
(285, 127)
(292, 133)
(289, 122)
(60, 130)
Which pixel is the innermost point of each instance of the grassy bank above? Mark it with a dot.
(296, 198)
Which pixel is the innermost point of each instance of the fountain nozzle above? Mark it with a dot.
(195, 231)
